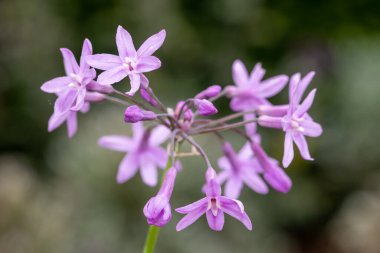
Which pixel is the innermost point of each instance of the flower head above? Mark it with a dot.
(214, 206)
(129, 62)
(250, 91)
(143, 152)
(157, 210)
(239, 169)
(296, 123)
(72, 88)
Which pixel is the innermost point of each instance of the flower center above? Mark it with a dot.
(130, 63)
(77, 80)
(214, 206)
(293, 123)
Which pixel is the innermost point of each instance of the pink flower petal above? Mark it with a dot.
(56, 120)
(288, 150)
(138, 131)
(233, 187)
(159, 135)
(148, 171)
(124, 43)
(299, 88)
(153, 43)
(216, 223)
(190, 218)
(193, 206)
(236, 210)
(127, 168)
(86, 51)
(239, 73)
(72, 124)
(71, 65)
(306, 104)
(224, 164)
(245, 152)
(253, 181)
(56, 85)
(311, 128)
(104, 61)
(116, 142)
(148, 63)
(272, 86)
(256, 75)
(301, 143)
(112, 76)
(135, 84)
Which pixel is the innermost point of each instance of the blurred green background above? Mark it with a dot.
(60, 195)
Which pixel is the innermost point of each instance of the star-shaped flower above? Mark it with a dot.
(143, 152)
(250, 91)
(129, 62)
(214, 205)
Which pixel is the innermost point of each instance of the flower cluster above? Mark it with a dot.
(144, 151)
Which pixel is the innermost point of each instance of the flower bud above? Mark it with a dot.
(134, 114)
(273, 173)
(145, 95)
(205, 107)
(210, 92)
(158, 210)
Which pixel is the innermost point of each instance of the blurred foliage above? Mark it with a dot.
(59, 195)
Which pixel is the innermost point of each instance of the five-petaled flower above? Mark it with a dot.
(214, 205)
(129, 62)
(143, 151)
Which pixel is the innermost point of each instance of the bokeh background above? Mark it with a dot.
(60, 195)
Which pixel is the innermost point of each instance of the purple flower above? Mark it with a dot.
(157, 210)
(205, 107)
(72, 88)
(143, 151)
(240, 169)
(210, 92)
(250, 91)
(214, 205)
(134, 114)
(296, 123)
(129, 62)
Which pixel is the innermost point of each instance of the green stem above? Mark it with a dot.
(151, 239)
